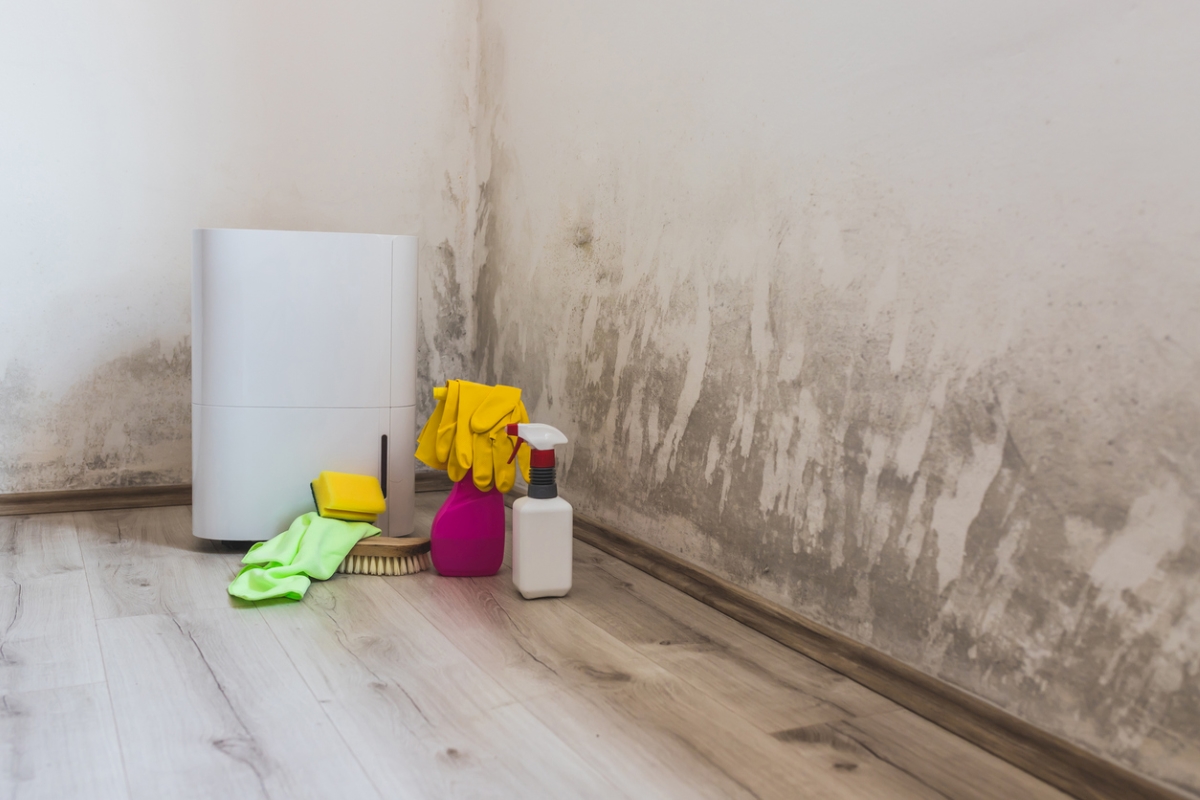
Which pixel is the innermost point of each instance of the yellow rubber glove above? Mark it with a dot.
(447, 426)
(427, 442)
(468, 431)
(491, 443)
(470, 397)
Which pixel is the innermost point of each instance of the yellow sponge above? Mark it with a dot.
(356, 498)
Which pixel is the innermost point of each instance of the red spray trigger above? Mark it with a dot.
(541, 440)
(513, 430)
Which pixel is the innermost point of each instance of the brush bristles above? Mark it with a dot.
(375, 565)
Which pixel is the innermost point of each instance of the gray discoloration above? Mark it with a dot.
(443, 323)
(128, 423)
(1010, 501)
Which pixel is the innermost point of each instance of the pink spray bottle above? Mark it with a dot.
(467, 536)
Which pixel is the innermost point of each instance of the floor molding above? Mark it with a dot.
(430, 481)
(95, 499)
(67, 500)
(1066, 766)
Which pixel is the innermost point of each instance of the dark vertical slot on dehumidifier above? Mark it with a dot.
(383, 464)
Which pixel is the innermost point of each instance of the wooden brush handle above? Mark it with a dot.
(391, 547)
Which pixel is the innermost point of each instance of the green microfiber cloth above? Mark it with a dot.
(311, 548)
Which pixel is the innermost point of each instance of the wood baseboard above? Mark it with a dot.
(430, 481)
(95, 499)
(1058, 762)
(68, 500)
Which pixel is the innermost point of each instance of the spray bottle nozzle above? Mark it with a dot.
(536, 435)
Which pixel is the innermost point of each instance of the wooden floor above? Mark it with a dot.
(127, 671)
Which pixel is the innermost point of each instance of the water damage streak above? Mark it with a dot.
(1002, 492)
(442, 323)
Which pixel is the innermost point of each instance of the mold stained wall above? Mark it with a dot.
(130, 122)
(888, 312)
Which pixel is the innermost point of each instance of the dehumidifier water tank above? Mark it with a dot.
(303, 360)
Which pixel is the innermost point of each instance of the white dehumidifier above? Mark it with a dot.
(303, 360)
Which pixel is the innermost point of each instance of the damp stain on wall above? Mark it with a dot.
(993, 482)
(443, 322)
(127, 423)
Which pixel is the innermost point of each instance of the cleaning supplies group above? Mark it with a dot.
(329, 540)
(475, 434)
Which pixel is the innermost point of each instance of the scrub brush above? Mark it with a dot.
(383, 555)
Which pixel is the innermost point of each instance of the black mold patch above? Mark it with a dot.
(127, 424)
(448, 330)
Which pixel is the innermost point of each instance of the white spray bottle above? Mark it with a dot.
(542, 521)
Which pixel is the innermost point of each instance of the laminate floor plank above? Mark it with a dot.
(47, 630)
(207, 705)
(779, 691)
(421, 716)
(750, 672)
(588, 720)
(645, 716)
(60, 743)
(145, 532)
(126, 670)
(939, 758)
(146, 561)
(773, 686)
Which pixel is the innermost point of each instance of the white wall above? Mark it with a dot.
(887, 311)
(126, 123)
